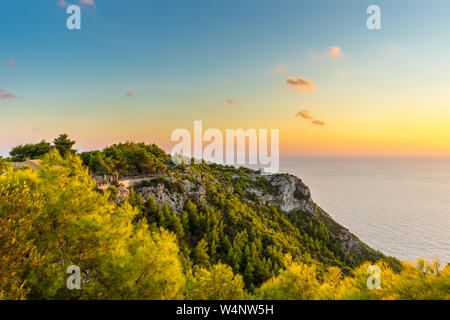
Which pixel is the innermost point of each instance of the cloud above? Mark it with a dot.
(318, 122)
(7, 95)
(230, 101)
(4, 94)
(279, 68)
(90, 2)
(10, 62)
(129, 94)
(304, 114)
(334, 51)
(63, 3)
(300, 83)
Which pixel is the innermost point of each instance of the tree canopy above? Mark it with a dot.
(31, 151)
(63, 144)
(2, 165)
(126, 159)
(56, 218)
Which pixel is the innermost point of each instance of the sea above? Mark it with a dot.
(400, 206)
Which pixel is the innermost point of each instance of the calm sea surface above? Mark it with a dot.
(400, 206)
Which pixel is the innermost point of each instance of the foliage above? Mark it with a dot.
(126, 159)
(31, 151)
(69, 223)
(36, 151)
(297, 282)
(63, 144)
(230, 227)
(2, 165)
(424, 281)
(222, 246)
(219, 283)
(113, 192)
(20, 207)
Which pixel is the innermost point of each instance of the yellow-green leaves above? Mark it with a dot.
(20, 206)
(219, 283)
(56, 218)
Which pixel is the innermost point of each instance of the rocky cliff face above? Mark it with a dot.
(291, 194)
(176, 199)
(283, 190)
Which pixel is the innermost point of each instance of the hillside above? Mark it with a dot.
(138, 226)
(237, 216)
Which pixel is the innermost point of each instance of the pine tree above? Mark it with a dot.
(200, 254)
(63, 144)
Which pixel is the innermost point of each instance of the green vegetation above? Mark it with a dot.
(31, 151)
(63, 144)
(299, 281)
(217, 283)
(2, 165)
(55, 218)
(231, 227)
(225, 245)
(126, 159)
(36, 151)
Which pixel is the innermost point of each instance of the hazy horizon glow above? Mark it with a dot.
(137, 70)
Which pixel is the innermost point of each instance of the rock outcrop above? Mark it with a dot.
(176, 199)
(291, 194)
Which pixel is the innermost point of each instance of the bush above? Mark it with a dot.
(217, 284)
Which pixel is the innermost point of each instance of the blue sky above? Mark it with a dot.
(181, 60)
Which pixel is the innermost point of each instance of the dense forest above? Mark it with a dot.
(223, 245)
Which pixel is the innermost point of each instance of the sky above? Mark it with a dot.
(138, 70)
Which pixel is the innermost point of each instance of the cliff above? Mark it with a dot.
(284, 191)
